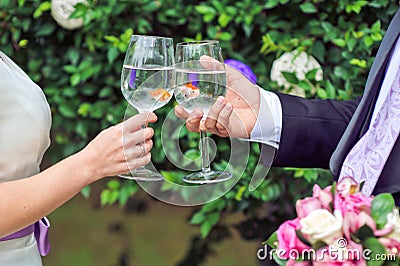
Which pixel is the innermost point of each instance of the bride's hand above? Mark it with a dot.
(109, 152)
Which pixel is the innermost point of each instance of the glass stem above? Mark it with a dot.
(205, 159)
(141, 168)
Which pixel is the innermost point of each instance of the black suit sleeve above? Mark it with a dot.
(311, 130)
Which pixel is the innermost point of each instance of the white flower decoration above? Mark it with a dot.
(61, 11)
(295, 62)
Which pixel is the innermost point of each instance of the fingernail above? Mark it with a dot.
(220, 100)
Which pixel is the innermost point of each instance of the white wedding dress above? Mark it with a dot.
(25, 122)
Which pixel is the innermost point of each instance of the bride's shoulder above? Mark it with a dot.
(7, 61)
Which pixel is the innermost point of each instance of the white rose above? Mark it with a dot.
(321, 225)
(393, 220)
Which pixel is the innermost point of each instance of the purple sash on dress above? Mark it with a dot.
(40, 230)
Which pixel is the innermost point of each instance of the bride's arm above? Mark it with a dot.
(24, 201)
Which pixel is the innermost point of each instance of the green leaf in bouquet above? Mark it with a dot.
(382, 205)
(392, 261)
(302, 238)
(363, 233)
(279, 261)
(318, 245)
(376, 250)
(272, 241)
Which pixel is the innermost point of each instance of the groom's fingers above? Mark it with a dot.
(180, 112)
(223, 120)
(213, 114)
(193, 120)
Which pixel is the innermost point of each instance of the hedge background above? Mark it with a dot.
(79, 71)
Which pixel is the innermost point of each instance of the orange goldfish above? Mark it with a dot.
(189, 90)
(160, 94)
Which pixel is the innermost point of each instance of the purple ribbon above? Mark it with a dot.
(242, 67)
(40, 230)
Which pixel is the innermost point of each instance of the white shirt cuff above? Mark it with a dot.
(268, 127)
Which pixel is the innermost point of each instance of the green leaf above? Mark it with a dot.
(358, 62)
(75, 79)
(201, 9)
(382, 205)
(240, 192)
(197, 218)
(311, 175)
(86, 192)
(376, 249)
(308, 8)
(21, 3)
(205, 229)
(272, 241)
(224, 19)
(339, 42)
(67, 110)
(84, 109)
(112, 54)
(23, 43)
(105, 197)
(213, 218)
(126, 192)
(46, 29)
(364, 232)
(376, 27)
(302, 238)
(306, 86)
(312, 74)
(44, 6)
(113, 184)
(290, 77)
(271, 4)
(322, 93)
(225, 36)
(330, 90)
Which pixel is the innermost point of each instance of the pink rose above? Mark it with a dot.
(349, 255)
(353, 203)
(353, 221)
(393, 246)
(323, 195)
(287, 238)
(347, 186)
(298, 263)
(307, 205)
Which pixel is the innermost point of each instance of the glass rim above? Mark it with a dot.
(201, 42)
(150, 37)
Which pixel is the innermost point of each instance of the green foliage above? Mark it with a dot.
(79, 71)
(382, 205)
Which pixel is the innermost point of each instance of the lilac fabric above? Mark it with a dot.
(242, 67)
(367, 158)
(42, 235)
(21, 233)
(40, 230)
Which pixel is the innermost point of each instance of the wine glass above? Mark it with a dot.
(147, 82)
(197, 86)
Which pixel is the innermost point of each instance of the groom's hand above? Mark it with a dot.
(233, 116)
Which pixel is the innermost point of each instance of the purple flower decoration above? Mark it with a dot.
(132, 79)
(194, 79)
(242, 67)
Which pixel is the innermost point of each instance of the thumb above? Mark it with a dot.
(211, 64)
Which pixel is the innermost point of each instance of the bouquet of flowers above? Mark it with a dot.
(339, 225)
